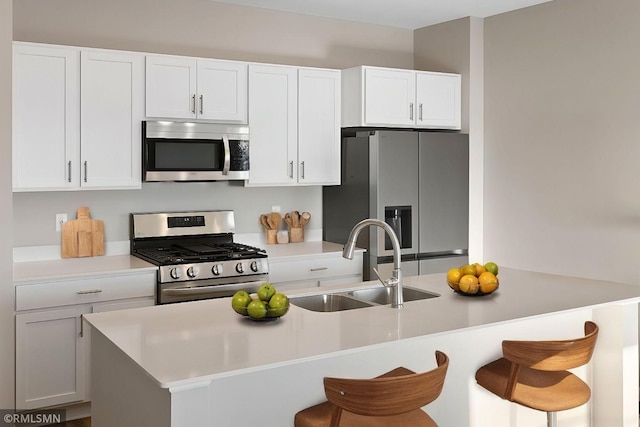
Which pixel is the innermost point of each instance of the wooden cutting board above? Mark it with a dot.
(82, 237)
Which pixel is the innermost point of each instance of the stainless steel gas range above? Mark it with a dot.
(196, 255)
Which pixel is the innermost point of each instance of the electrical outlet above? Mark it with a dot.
(60, 219)
(275, 209)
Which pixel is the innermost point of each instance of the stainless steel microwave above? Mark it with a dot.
(179, 151)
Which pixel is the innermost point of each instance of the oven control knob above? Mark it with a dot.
(254, 266)
(240, 267)
(217, 269)
(175, 273)
(192, 271)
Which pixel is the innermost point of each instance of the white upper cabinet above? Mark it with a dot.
(294, 116)
(374, 96)
(76, 129)
(273, 116)
(389, 97)
(112, 109)
(46, 117)
(439, 100)
(318, 126)
(189, 88)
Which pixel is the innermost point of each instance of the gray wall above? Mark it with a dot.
(6, 264)
(197, 28)
(562, 105)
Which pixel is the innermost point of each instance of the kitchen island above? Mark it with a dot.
(201, 364)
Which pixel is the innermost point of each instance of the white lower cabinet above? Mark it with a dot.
(329, 270)
(50, 358)
(52, 347)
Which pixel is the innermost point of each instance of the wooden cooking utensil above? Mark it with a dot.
(287, 219)
(295, 219)
(275, 219)
(82, 237)
(305, 217)
(264, 220)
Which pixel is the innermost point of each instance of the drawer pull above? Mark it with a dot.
(92, 291)
(318, 268)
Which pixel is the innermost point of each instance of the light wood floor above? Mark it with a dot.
(82, 422)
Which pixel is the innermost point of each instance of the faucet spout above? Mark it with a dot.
(396, 277)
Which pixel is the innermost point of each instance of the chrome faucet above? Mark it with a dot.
(396, 278)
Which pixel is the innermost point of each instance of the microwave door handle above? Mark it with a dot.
(227, 155)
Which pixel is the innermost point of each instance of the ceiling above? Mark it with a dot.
(409, 14)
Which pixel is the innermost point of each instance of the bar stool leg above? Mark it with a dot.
(552, 419)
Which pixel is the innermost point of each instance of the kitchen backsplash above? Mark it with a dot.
(34, 213)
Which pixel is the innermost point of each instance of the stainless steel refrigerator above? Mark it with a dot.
(416, 181)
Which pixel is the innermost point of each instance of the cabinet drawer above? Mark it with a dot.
(85, 290)
(285, 271)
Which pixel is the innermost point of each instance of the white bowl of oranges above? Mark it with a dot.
(474, 279)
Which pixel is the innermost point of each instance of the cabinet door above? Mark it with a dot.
(319, 127)
(389, 97)
(112, 87)
(46, 128)
(50, 358)
(222, 91)
(171, 87)
(273, 114)
(438, 97)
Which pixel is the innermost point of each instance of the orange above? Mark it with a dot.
(454, 275)
(469, 284)
(488, 282)
(468, 269)
(479, 269)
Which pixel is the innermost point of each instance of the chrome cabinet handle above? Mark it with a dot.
(411, 111)
(69, 170)
(91, 291)
(420, 111)
(85, 171)
(302, 169)
(291, 169)
(201, 103)
(193, 103)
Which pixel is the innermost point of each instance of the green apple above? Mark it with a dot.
(278, 305)
(266, 291)
(240, 301)
(257, 309)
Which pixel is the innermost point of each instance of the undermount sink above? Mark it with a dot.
(328, 302)
(360, 298)
(384, 296)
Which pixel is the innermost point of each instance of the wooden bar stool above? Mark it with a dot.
(534, 373)
(392, 399)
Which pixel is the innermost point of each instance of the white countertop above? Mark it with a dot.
(41, 271)
(178, 344)
(38, 271)
(303, 250)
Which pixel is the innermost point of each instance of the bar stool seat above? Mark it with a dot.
(392, 399)
(534, 373)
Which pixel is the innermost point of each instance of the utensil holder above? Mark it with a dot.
(272, 237)
(296, 234)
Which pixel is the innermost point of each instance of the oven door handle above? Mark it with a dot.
(209, 289)
(227, 155)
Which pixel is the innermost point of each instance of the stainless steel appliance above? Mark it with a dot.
(177, 151)
(196, 255)
(415, 181)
